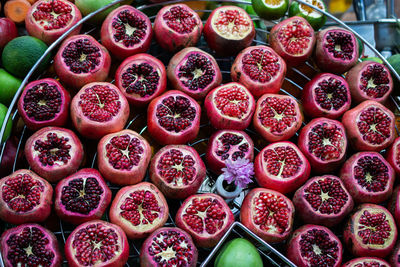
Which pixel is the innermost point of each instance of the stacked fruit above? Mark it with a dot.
(345, 116)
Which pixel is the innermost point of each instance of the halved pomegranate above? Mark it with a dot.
(48, 20)
(323, 141)
(393, 156)
(366, 262)
(126, 31)
(141, 78)
(194, 72)
(25, 197)
(206, 217)
(268, 213)
(370, 231)
(98, 109)
(394, 205)
(177, 26)
(43, 103)
(282, 167)
(230, 106)
(54, 153)
(81, 60)
(173, 118)
(139, 210)
(326, 95)
(369, 126)
(314, 245)
(323, 200)
(260, 69)
(277, 117)
(228, 30)
(97, 243)
(228, 144)
(177, 170)
(123, 157)
(30, 245)
(395, 257)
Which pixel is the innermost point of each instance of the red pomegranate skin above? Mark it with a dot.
(393, 156)
(366, 261)
(394, 205)
(8, 31)
(395, 257)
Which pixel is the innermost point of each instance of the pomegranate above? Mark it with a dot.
(369, 80)
(139, 210)
(30, 245)
(82, 197)
(177, 26)
(126, 31)
(277, 117)
(394, 205)
(206, 217)
(323, 141)
(228, 30)
(282, 167)
(177, 170)
(336, 50)
(54, 153)
(11, 153)
(370, 231)
(293, 39)
(366, 262)
(8, 31)
(81, 60)
(99, 108)
(314, 245)
(230, 106)
(326, 95)
(395, 257)
(141, 78)
(369, 126)
(268, 213)
(228, 144)
(48, 20)
(194, 72)
(43, 103)
(260, 69)
(123, 157)
(393, 156)
(323, 200)
(168, 246)
(173, 118)
(97, 243)
(25, 197)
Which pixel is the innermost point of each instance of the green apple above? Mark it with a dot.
(8, 86)
(238, 252)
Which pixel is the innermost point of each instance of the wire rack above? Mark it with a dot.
(294, 81)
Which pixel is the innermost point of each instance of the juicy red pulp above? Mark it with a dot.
(232, 101)
(180, 20)
(81, 56)
(326, 141)
(128, 28)
(371, 173)
(232, 24)
(375, 81)
(295, 37)
(124, 152)
(53, 149)
(282, 161)
(141, 79)
(53, 15)
(373, 228)
(229, 142)
(374, 125)
(261, 65)
(331, 94)
(197, 72)
(340, 45)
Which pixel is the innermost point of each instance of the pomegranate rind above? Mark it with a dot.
(117, 48)
(59, 119)
(143, 230)
(180, 191)
(119, 259)
(38, 214)
(76, 217)
(248, 213)
(392, 156)
(395, 257)
(394, 205)
(118, 176)
(365, 261)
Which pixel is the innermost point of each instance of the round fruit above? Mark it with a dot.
(395, 258)
(173, 118)
(316, 19)
(89, 6)
(206, 217)
(282, 167)
(168, 246)
(230, 106)
(238, 252)
(81, 60)
(177, 170)
(141, 78)
(97, 243)
(260, 69)
(7, 130)
(10, 153)
(99, 108)
(326, 95)
(270, 9)
(366, 262)
(393, 156)
(194, 72)
(394, 205)
(54, 153)
(30, 245)
(43, 103)
(268, 213)
(9, 85)
(8, 31)
(277, 117)
(370, 231)
(139, 210)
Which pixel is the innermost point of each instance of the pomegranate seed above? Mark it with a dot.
(180, 20)
(295, 37)
(53, 149)
(261, 65)
(128, 28)
(374, 228)
(81, 56)
(374, 81)
(232, 101)
(282, 161)
(53, 15)
(235, 143)
(141, 79)
(331, 94)
(232, 24)
(374, 124)
(326, 141)
(197, 72)
(339, 44)
(124, 152)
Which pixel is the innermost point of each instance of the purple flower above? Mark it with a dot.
(239, 172)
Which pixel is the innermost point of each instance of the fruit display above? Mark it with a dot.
(169, 135)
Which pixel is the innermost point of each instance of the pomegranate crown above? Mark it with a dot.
(239, 172)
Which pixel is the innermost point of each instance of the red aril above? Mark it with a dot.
(393, 156)
(394, 205)
(366, 262)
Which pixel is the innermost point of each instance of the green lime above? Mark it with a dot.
(21, 54)
(316, 19)
(89, 6)
(238, 252)
(7, 132)
(395, 62)
(360, 47)
(270, 9)
(8, 86)
(376, 59)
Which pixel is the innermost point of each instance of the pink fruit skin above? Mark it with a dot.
(366, 260)
(8, 31)
(394, 205)
(395, 257)
(392, 156)
(9, 155)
